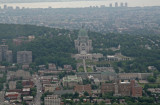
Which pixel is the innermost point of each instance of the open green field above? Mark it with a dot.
(81, 69)
(89, 69)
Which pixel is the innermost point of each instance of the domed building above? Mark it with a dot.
(83, 44)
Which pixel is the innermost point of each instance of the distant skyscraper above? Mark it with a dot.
(126, 4)
(122, 5)
(17, 8)
(116, 4)
(110, 5)
(5, 7)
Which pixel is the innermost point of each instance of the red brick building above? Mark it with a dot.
(136, 90)
(107, 87)
(28, 84)
(123, 88)
(83, 88)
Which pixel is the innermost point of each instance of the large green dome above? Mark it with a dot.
(83, 33)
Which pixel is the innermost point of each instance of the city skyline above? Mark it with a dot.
(82, 3)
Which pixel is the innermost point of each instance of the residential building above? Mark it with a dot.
(50, 87)
(122, 88)
(24, 57)
(28, 84)
(13, 96)
(67, 67)
(28, 98)
(25, 91)
(82, 88)
(5, 54)
(25, 66)
(107, 87)
(12, 85)
(129, 76)
(52, 100)
(52, 66)
(19, 74)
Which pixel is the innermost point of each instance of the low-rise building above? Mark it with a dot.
(2, 68)
(25, 66)
(12, 85)
(154, 90)
(52, 66)
(50, 87)
(27, 98)
(108, 102)
(28, 84)
(129, 76)
(71, 81)
(19, 74)
(67, 67)
(25, 91)
(13, 96)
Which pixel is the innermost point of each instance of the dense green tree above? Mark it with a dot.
(19, 85)
(86, 93)
(151, 79)
(33, 91)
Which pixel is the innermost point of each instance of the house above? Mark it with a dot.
(67, 67)
(108, 102)
(25, 66)
(52, 66)
(25, 91)
(122, 101)
(28, 84)
(13, 96)
(27, 98)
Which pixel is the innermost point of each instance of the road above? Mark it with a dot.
(84, 65)
(37, 100)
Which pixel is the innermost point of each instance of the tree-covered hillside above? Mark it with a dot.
(57, 45)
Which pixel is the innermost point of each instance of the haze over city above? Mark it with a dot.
(79, 52)
(75, 3)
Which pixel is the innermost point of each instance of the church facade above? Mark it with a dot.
(84, 46)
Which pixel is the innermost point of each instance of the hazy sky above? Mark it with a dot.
(131, 3)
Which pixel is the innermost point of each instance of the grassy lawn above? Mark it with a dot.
(89, 62)
(80, 69)
(79, 61)
(142, 84)
(89, 69)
